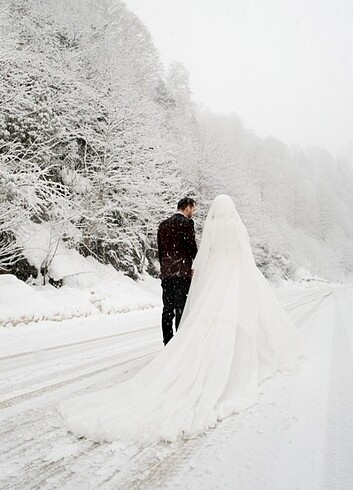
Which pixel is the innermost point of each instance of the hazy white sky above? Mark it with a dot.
(284, 66)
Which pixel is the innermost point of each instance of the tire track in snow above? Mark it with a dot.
(32, 440)
(26, 396)
(30, 357)
(42, 374)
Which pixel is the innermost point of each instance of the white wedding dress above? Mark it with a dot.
(233, 334)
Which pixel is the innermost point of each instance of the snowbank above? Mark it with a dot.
(24, 303)
(89, 287)
(21, 303)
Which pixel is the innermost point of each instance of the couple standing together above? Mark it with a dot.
(233, 334)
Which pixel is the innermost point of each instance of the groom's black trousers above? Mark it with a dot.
(175, 292)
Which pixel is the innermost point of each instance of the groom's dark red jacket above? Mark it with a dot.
(176, 246)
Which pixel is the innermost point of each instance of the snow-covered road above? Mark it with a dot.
(298, 436)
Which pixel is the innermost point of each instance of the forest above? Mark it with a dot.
(99, 141)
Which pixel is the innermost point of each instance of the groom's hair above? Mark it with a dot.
(185, 202)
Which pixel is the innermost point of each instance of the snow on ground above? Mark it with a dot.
(298, 436)
(21, 303)
(89, 287)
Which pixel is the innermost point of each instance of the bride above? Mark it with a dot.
(233, 335)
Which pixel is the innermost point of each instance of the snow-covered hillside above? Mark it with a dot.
(99, 141)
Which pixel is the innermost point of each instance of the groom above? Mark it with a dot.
(176, 251)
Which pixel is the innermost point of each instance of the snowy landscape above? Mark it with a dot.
(298, 435)
(98, 142)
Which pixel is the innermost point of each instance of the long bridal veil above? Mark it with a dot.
(233, 334)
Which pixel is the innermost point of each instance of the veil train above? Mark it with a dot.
(233, 334)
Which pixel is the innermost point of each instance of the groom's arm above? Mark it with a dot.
(159, 245)
(190, 240)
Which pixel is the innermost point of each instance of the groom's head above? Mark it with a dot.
(187, 206)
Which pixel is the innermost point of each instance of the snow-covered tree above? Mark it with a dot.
(98, 143)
